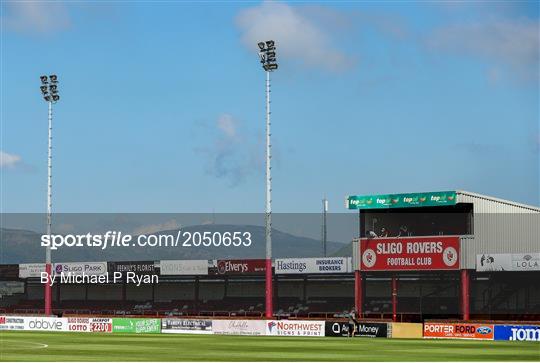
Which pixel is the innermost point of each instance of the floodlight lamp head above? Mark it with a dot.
(268, 55)
(43, 79)
(55, 98)
(43, 89)
(47, 98)
(54, 78)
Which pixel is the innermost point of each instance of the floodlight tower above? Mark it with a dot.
(49, 90)
(267, 53)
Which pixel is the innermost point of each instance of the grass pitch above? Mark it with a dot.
(38, 346)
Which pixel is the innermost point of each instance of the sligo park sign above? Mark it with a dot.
(430, 199)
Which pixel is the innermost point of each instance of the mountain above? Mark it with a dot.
(22, 246)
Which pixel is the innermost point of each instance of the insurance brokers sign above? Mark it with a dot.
(325, 265)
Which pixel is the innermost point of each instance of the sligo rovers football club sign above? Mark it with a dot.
(409, 253)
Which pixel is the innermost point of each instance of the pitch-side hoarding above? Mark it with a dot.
(325, 265)
(409, 253)
(136, 325)
(27, 270)
(459, 330)
(137, 267)
(183, 267)
(89, 325)
(371, 330)
(518, 332)
(186, 326)
(238, 267)
(11, 322)
(304, 328)
(238, 327)
(508, 262)
(80, 268)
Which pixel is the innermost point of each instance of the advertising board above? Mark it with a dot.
(41, 323)
(11, 322)
(406, 330)
(137, 267)
(408, 200)
(371, 330)
(101, 325)
(326, 265)
(238, 267)
(409, 253)
(239, 327)
(9, 271)
(518, 332)
(304, 328)
(80, 268)
(508, 262)
(459, 330)
(135, 325)
(183, 267)
(186, 326)
(27, 270)
(89, 325)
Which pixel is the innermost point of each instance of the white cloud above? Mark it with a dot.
(511, 43)
(298, 32)
(8, 160)
(231, 155)
(35, 16)
(154, 228)
(227, 125)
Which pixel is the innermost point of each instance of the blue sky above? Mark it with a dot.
(162, 103)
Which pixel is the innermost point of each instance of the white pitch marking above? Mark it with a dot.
(39, 345)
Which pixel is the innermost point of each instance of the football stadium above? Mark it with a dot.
(431, 274)
(417, 120)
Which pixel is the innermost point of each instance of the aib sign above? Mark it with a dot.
(410, 253)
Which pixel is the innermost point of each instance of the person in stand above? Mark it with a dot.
(403, 231)
(352, 323)
(384, 233)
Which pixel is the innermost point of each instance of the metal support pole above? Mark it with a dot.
(394, 298)
(324, 230)
(465, 294)
(269, 289)
(48, 269)
(358, 298)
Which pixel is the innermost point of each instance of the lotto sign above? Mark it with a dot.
(90, 325)
(301, 328)
(101, 325)
(410, 253)
(463, 331)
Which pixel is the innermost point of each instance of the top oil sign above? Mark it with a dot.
(430, 199)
